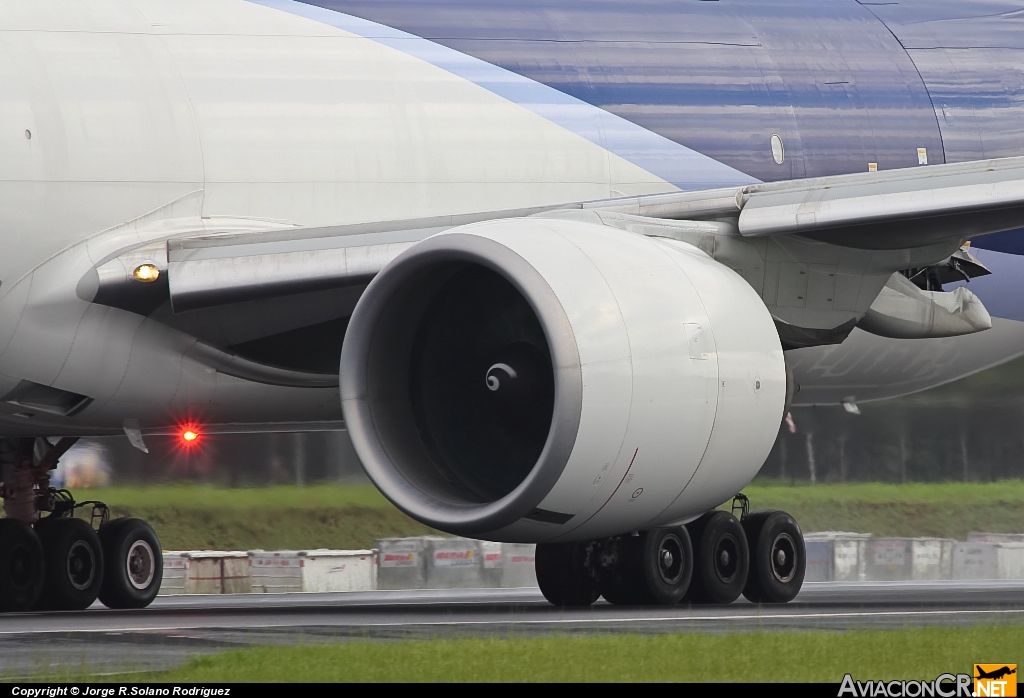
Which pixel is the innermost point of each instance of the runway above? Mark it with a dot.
(176, 628)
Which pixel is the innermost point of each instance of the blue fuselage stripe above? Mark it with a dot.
(672, 161)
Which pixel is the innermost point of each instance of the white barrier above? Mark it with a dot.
(852, 557)
(975, 561)
(820, 557)
(889, 560)
(1010, 560)
(932, 558)
(276, 572)
(340, 570)
(175, 572)
(313, 571)
(400, 563)
(452, 563)
(977, 537)
(838, 556)
(508, 565)
(518, 565)
(435, 562)
(206, 572)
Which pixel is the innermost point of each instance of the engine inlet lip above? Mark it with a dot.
(462, 517)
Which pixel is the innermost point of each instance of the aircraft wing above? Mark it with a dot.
(901, 209)
(889, 210)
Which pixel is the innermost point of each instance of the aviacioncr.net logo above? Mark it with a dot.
(944, 686)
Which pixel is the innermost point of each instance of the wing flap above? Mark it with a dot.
(899, 209)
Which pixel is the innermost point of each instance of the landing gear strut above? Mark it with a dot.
(712, 559)
(58, 561)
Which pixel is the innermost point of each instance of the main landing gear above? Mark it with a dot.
(57, 561)
(712, 559)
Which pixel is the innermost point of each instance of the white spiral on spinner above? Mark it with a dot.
(492, 380)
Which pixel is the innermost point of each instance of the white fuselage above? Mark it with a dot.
(116, 109)
(127, 122)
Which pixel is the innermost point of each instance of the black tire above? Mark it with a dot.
(21, 566)
(563, 576)
(133, 566)
(620, 592)
(74, 564)
(667, 564)
(626, 587)
(778, 559)
(721, 558)
(654, 568)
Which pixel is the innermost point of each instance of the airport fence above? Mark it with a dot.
(436, 562)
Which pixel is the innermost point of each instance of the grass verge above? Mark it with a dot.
(922, 653)
(352, 516)
(190, 517)
(944, 510)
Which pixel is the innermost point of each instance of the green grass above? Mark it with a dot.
(194, 517)
(946, 510)
(243, 498)
(809, 656)
(352, 516)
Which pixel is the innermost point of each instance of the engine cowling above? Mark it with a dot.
(546, 379)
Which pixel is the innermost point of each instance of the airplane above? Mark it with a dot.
(560, 268)
(995, 673)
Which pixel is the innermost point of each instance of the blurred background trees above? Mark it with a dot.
(970, 430)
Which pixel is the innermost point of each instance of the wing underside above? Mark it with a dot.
(841, 238)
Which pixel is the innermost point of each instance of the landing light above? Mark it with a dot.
(146, 273)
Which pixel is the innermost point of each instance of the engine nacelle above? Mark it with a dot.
(544, 379)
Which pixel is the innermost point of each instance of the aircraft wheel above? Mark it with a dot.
(654, 568)
(721, 558)
(563, 576)
(21, 566)
(626, 586)
(619, 592)
(667, 564)
(778, 559)
(74, 564)
(132, 564)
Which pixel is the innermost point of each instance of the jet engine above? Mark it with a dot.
(541, 380)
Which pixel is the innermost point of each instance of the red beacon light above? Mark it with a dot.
(190, 435)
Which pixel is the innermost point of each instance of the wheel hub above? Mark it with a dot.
(783, 557)
(21, 567)
(727, 558)
(670, 560)
(81, 565)
(141, 564)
